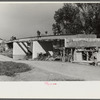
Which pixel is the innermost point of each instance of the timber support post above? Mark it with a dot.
(63, 57)
(71, 55)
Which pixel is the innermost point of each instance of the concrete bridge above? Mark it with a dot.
(75, 44)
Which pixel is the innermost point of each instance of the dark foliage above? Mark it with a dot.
(77, 18)
(38, 33)
(11, 68)
(12, 38)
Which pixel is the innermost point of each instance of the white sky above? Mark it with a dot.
(24, 19)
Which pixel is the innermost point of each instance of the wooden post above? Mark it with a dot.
(63, 58)
(87, 55)
(92, 56)
(71, 54)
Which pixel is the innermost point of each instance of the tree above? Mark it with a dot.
(38, 33)
(90, 15)
(56, 29)
(12, 38)
(78, 18)
(46, 32)
(67, 18)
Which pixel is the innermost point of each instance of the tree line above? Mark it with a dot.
(77, 18)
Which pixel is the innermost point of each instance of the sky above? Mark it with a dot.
(24, 19)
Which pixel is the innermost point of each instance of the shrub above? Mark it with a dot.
(42, 56)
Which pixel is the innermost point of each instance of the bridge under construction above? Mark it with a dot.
(71, 48)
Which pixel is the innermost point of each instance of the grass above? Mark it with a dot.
(10, 68)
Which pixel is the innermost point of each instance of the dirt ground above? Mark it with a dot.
(37, 74)
(54, 71)
(70, 70)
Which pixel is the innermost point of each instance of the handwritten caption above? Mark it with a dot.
(50, 83)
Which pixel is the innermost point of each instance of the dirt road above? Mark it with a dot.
(5, 58)
(78, 71)
(45, 70)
